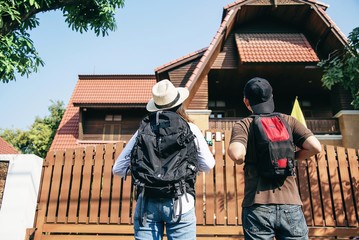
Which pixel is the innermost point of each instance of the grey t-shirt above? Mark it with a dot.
(258, 190)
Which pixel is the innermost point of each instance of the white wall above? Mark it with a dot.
(20, 195)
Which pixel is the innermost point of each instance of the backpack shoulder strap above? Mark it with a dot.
(251, 156)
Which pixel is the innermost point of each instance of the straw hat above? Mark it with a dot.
(166, 95)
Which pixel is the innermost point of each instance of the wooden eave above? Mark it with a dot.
(209, 56)
(180, 61)
(318, 7)
(110, 105)
(116, 76)
(240, 3)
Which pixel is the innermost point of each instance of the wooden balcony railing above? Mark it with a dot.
(316, 125)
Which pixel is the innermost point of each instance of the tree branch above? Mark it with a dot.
(10, 25)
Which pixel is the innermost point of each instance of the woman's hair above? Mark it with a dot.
(181, 111)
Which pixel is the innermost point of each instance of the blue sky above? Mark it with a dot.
(149, 34)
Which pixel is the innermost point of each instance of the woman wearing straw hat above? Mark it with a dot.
(159, 212)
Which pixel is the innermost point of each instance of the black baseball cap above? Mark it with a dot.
(258, 91)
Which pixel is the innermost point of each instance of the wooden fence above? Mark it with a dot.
(81, 199)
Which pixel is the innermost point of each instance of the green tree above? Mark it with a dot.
(344, 69)
(17, 138)
(37, 140)
(17, 18)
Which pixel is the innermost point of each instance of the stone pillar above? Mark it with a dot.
(349, 127)
(200, 118)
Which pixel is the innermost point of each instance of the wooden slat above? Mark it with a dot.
(85, 187)
(335, 186)
(346, 188)
(126, 204)
(75, 185)
(199, 199)
(210, 194)
(55, 187)
(219, 238)
(44, 193)
(86, 237)
(96, 185)
(354, 173)
(325, 190)
(65, 186)
(220, 197)
(239, 172)
(106, 188)
(200, 195)
(304, 190)
(220, 230)
(316, 202)
(344, 233)
(115, 199)
(232, 208)
(89, 228)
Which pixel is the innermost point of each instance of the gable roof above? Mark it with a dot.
(231, 14)
(6, 148)
(120, 91)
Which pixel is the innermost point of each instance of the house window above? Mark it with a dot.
(110, 118)
(112, 127)
(217, 115)
(111, 131)
(218, 108)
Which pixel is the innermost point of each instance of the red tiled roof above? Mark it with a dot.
(124, 89)
(6, 148)
(274, 47)
(96, 89)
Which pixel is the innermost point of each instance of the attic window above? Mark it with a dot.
(113, 118)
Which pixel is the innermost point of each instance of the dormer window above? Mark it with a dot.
(100, 124)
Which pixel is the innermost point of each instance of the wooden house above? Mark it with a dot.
(280, 40)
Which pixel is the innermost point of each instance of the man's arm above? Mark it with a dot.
(237, 152)
(310, 147)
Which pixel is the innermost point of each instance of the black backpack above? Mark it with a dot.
(164, 158)
(273, 146)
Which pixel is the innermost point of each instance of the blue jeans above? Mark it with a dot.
(284, 222)
(159, 216)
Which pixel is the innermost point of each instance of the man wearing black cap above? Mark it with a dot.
(269, 210)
